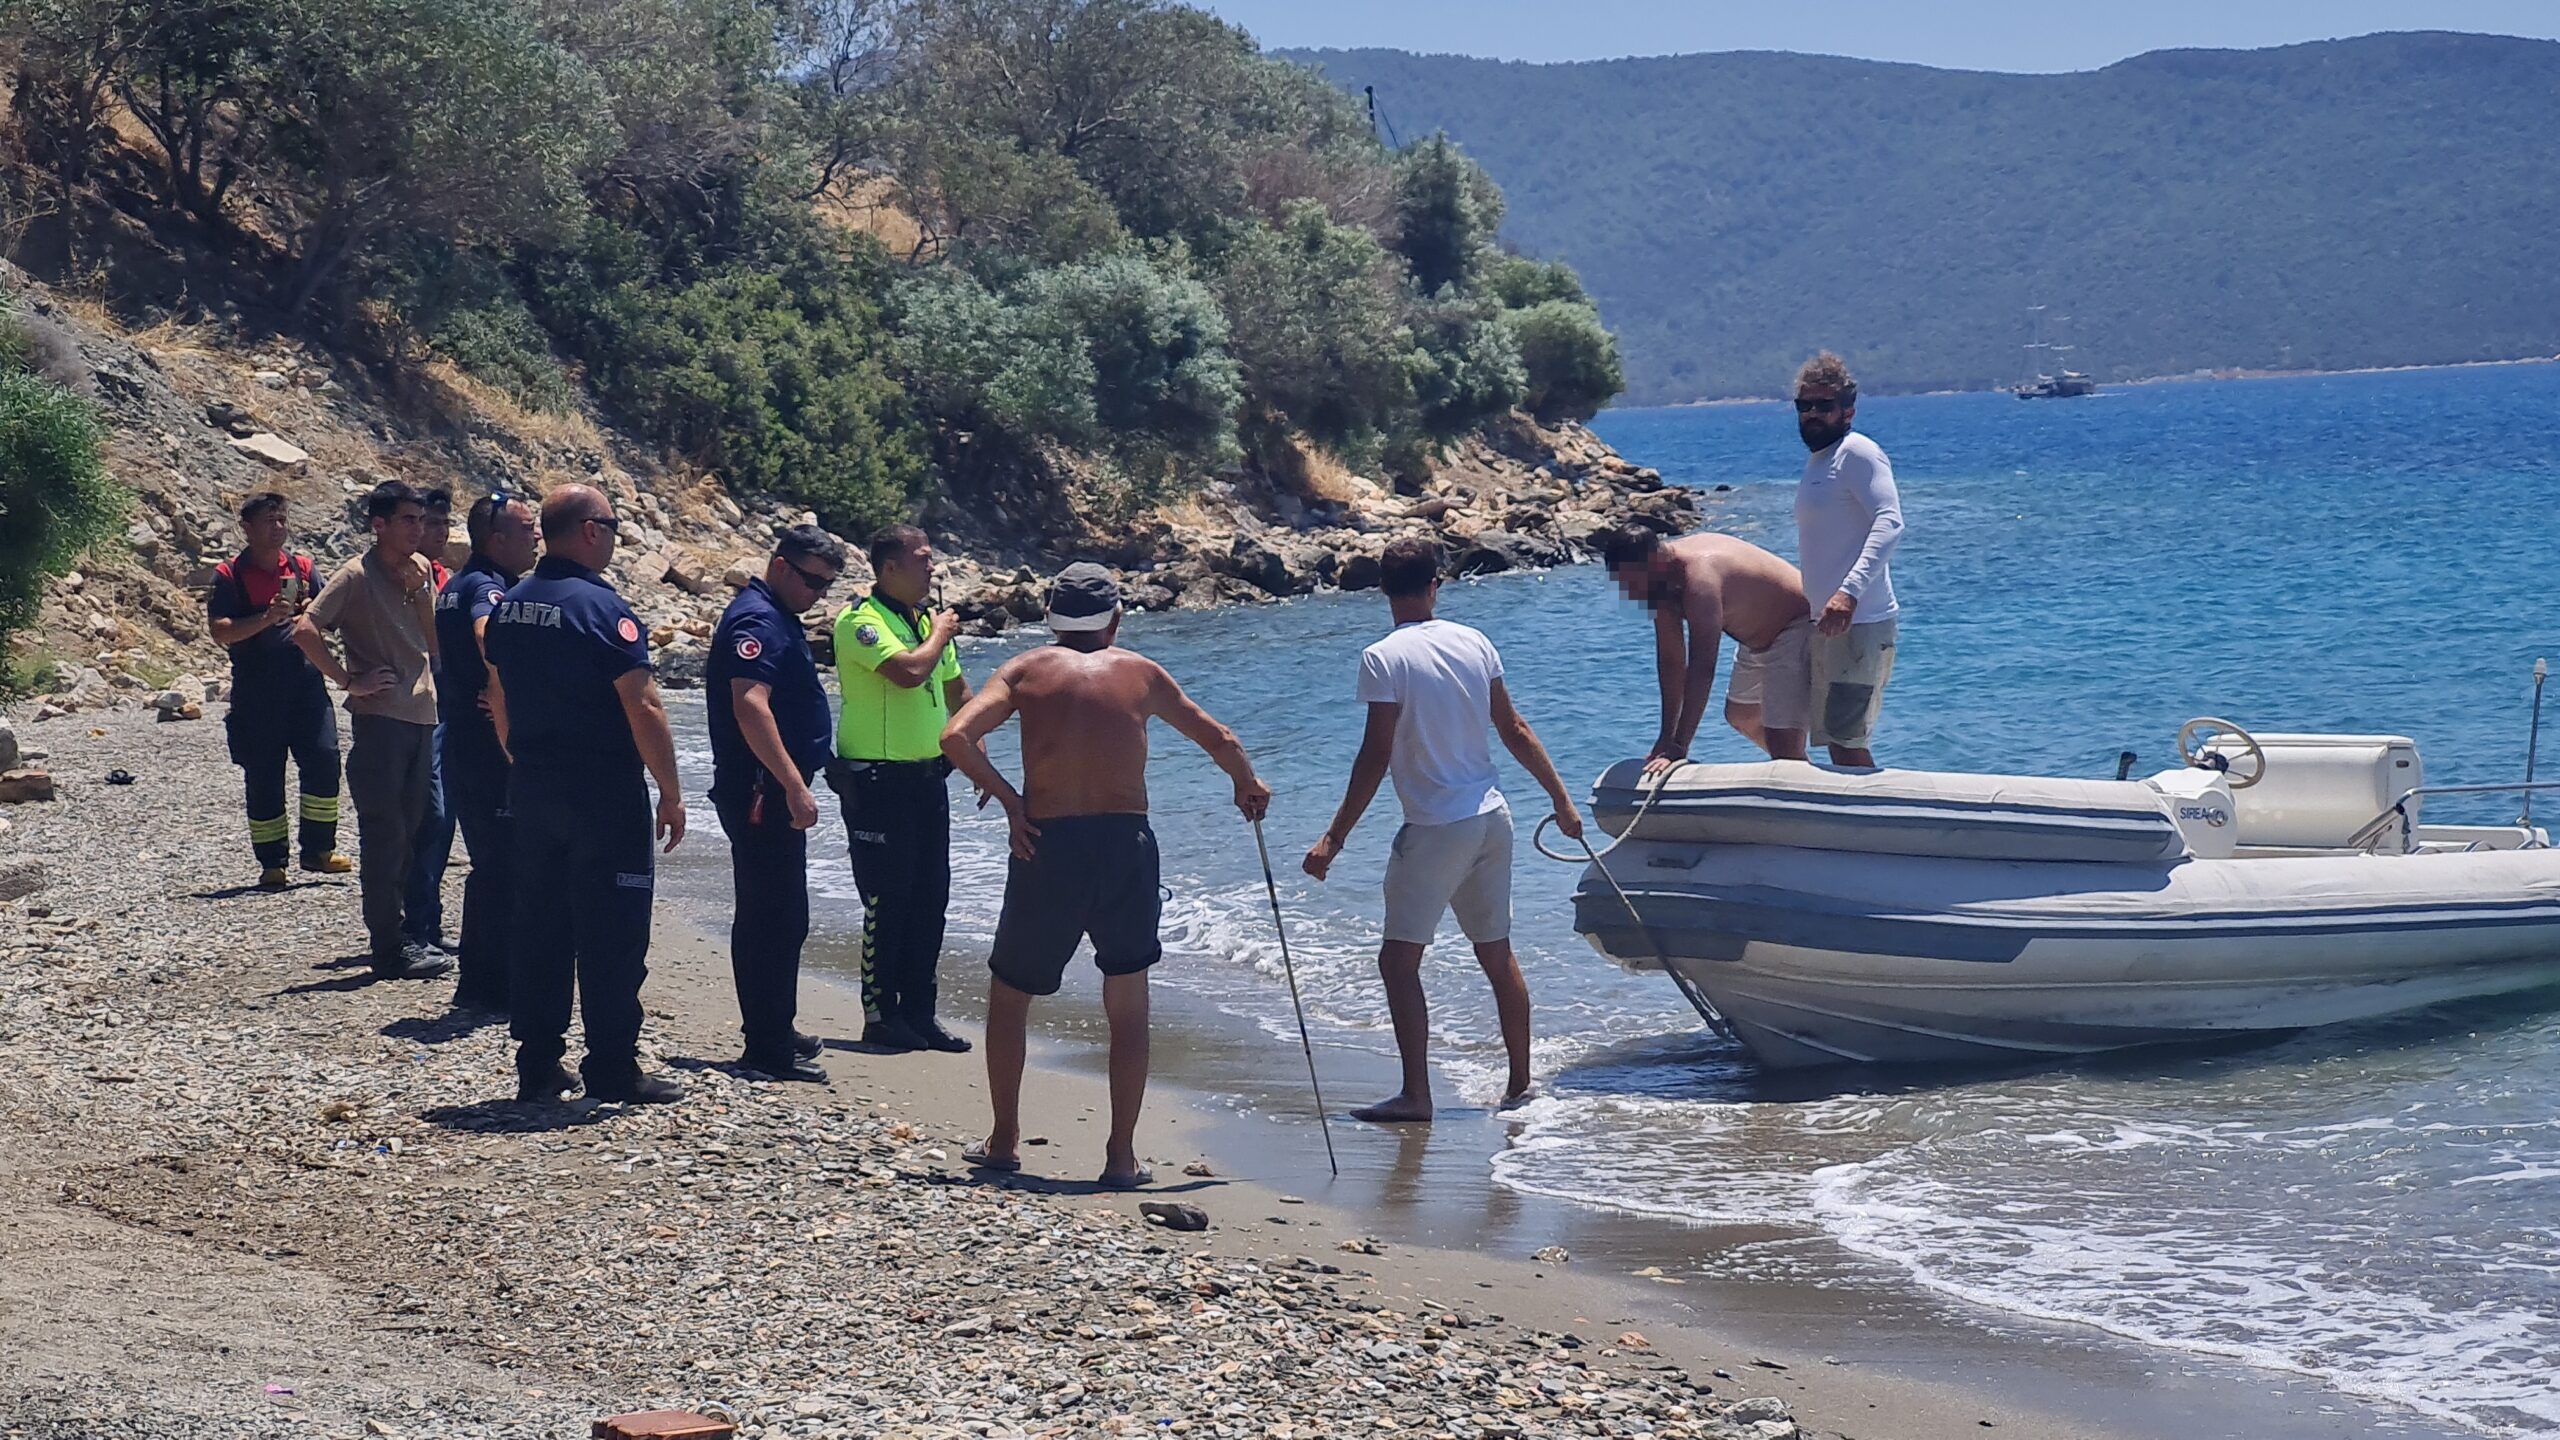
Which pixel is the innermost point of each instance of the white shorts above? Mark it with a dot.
(1779, 679)
(1850, 672)
(1464, 865)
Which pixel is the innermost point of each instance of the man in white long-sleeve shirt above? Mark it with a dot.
(1848, 520)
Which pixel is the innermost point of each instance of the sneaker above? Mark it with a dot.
(929, 1031)
(437, 945)
(635, 1088)
(783, 1067)
(890, 1037)
(414, 962)
(328, 864)
(546, 1086)
(807, 1047)
(273, 878)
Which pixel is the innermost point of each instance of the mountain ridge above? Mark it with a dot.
(2326, 205)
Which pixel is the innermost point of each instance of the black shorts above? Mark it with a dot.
(1089, 875)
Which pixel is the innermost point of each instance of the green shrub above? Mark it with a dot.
(501, 344)
(1446, 213)
(1118, 356)
(1313, 306)
(1571, 358)
(30, 674)
(468, 309)
(1520, 282)
(14, 347)
(769, 367)
(55, 497)
(1467, 366)
(1156, 346)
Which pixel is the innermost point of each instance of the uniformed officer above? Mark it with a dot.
(901, 681)
(769, 738)
(279, 704)
(583, 718)
(471, 735)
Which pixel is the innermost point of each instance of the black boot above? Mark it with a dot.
(544, 1084)
(889, 1036)
(633, 1087)
(930, 1032)
(783, 1067)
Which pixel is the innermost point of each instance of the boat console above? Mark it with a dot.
(2314, 794)
(2306, 793)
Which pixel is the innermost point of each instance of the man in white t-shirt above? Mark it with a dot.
(1433, 689)
(1848, 520)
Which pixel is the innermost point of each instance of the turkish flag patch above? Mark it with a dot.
(749, 647)
(628, 630)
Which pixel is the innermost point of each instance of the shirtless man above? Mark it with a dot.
(1084, 858)
(1718, 586)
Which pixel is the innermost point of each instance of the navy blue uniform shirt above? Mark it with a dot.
(759, 640)
(472, 595)
(560, 638)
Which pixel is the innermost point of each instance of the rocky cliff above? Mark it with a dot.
(199, 419)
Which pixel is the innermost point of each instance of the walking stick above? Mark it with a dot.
(1272, 888)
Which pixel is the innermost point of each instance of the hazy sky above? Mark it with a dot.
(1959, 34)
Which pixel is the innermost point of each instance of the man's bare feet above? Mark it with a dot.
(1396, 1110)
(987, 1155)
(1135, 1177)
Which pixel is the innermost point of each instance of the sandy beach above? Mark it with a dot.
(247, 1190)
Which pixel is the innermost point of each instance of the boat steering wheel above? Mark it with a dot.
(2195, 746)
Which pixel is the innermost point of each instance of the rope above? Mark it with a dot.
(1538, 841)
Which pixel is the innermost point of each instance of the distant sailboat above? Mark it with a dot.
(2055, 384)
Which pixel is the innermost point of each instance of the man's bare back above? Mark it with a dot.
(1084, 710)
(1757, 594)
(1700, 589)
(1084, 728)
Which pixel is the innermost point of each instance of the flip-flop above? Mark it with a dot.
(978, 1159)
(1138, 1179)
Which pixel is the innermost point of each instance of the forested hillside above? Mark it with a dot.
(2387, 200)
(849, 252)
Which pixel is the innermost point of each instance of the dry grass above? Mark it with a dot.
(1188, 513)
(86, 308)
(169, 338)
(459, 398)
(1326, 478)
(865, 204)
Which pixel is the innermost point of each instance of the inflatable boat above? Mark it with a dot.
(2275, 882)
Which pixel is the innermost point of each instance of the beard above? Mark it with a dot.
(1821, 434)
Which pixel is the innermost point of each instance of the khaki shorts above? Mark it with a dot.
(1849, 675)
(1779, 679)
(1465, 866)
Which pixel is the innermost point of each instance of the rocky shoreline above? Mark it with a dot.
(250, 1192)
(200, 420)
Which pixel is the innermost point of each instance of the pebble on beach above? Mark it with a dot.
(213, 1112)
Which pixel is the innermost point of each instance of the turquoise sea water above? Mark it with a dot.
(2378, 1206)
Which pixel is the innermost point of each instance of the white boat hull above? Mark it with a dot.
(1823, 957)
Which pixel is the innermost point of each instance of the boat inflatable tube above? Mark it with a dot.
(1894, 812)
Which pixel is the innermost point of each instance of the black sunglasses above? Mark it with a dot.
(610, 522)
(1821, 407)
(820, 584)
